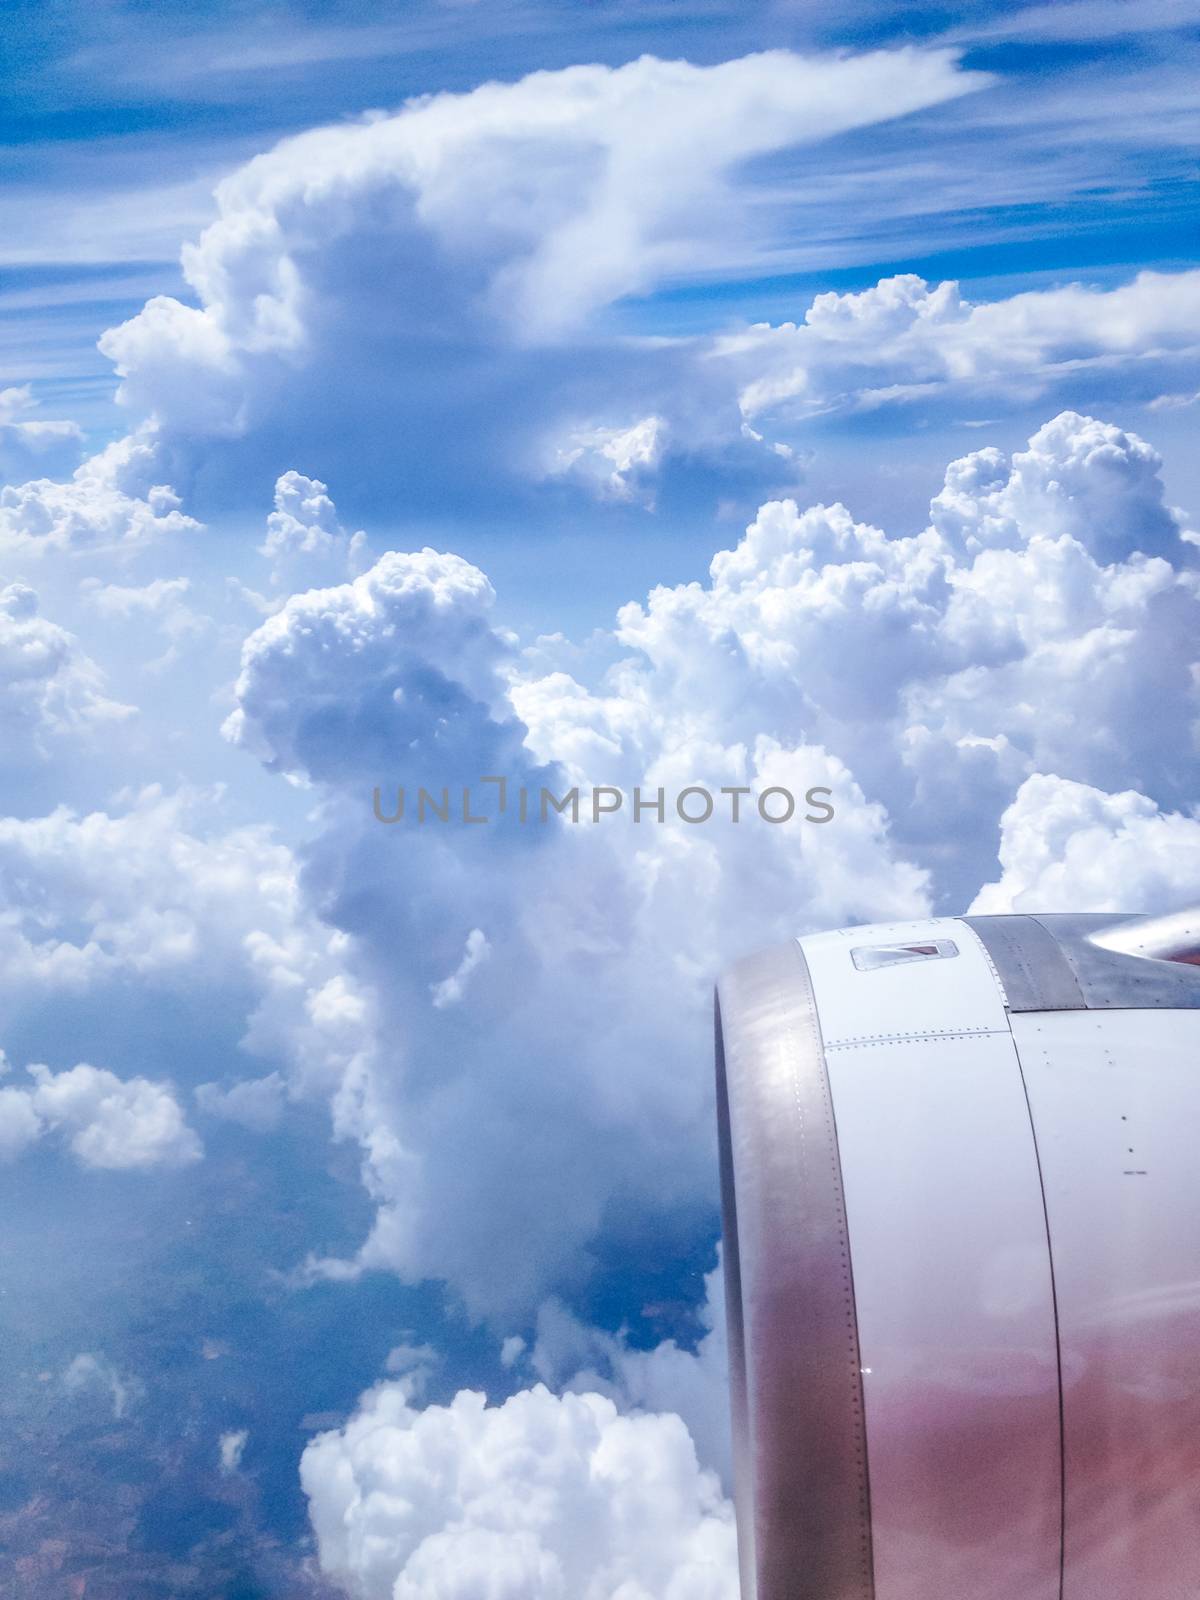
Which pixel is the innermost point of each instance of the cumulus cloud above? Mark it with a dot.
(114, 1123)
(131, 891)
(513, 1022)
(104, 508)
(1089, 480)
(1069, 847)
(1052, 597)
(448, 260)
(499, 223)
(154, 894)
(107, 1122)
(918, 681)
(572, 1066)
(417, 300)
(544, 1497)
(905, 339)
(331, 681)
(305, 541)
(552, 193)
(616, 462)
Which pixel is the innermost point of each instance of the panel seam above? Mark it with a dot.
(929, 1036)
(1062, 1426)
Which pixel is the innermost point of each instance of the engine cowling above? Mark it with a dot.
(962, 1250)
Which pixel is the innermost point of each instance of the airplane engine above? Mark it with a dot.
(960, 1166)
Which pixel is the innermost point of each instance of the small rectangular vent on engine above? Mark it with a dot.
(867, 958)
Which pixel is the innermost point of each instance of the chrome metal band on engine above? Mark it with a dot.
(1091, 961)
(804, 1525)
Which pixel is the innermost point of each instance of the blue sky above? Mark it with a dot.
(600, 394)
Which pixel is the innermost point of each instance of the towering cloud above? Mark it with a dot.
(509, 1102)
(405, 272)
(514, 1100)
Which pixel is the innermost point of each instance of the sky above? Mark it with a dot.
(600, 396)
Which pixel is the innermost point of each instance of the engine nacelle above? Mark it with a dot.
(961, 1189)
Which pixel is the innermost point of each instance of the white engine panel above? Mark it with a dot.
(1005, 1179)
(951, 1271)
(1115, 1097)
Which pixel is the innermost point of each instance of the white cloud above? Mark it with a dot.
(430, 278)
(418, 299)
(95, 511)
(1173, 402)
(905, 339)
(617, 462)
(160, 895)
(305, 541)
(1068, 847)
(498, 224)
(541, 1498)
(28, 442)
(452, 989)
(159, 598)
(511, 1088)
(539, 199)
(20, 1125)
(132, 892)
(323, 676)
(107, 1122)
(230, 1448)
(89, 1373)
(414, 1365)
(1050, 601)
(49, 689)
(1089, 480)
(162, 602)
(665, 1378)
(255, 1103)
(511, 1350)
(572, 1071)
